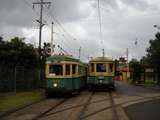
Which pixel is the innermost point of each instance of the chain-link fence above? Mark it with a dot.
(20, 78)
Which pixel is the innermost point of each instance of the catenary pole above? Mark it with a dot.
(41, 3)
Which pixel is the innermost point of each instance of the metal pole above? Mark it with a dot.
(41, 3)
(52, 39)
(40, 27)
(127, 64)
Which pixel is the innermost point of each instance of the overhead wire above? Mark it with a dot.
(62, 28)
(55, 20)
(58, 28)
(30, 5)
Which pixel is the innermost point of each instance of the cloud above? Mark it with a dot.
(15, 13)
(122, 22)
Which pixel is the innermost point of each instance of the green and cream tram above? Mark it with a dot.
(101, 73)
(64, 74)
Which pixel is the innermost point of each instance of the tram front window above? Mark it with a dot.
(56, 70)
(100, 67)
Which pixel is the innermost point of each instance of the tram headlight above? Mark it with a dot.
(55, 84)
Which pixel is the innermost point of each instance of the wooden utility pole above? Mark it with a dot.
(41, 3)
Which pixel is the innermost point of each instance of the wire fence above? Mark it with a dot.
(20, 78)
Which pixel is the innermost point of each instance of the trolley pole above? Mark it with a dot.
(79, 56)
(103, 52)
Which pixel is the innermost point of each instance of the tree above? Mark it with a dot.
(1, 39)
(135, 68)
(17, 53)
(153, 54)
(144, 60)
(46, 50)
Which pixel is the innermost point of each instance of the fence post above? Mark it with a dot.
(15, 80)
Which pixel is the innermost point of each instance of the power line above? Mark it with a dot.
(50, 14)
(41, 3)
(63, 50)
(59, 27)
(55, 19)
(62, 36)
(28, 4)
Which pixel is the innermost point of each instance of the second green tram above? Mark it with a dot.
(64, 74)
(101, 73)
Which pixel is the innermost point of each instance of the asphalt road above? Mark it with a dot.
(140, 111)
(144, 111)
(128, 89)
(103, 105)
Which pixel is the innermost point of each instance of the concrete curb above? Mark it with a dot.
(3, 114)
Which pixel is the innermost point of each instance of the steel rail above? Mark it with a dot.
(80, 116)
(7, 113)
(113, 106)
(50, 109)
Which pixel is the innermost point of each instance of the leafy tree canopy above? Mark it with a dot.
(17, 53)
(135, 66)
(153, 51)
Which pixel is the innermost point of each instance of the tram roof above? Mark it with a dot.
(101, 59)
(59, 58)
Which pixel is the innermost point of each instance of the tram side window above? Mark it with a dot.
(101, 67)
(92, 67)
(74, 69)
(68, 69)
(110, 67)
(56, 70)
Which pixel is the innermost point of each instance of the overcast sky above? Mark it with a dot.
(123, 21)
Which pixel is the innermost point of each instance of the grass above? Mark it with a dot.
(19, 99)
(150, 82)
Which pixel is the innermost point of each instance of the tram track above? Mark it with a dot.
(80, 111)
(20, 108)
(113, 106)
(50, 109)
(85, 106)
(120, 104)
